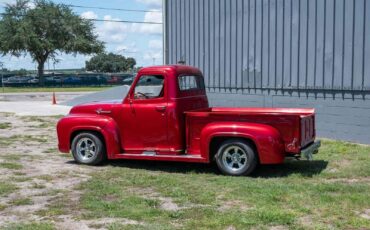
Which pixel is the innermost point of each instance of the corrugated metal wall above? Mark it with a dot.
(280, 53)
(315, 45)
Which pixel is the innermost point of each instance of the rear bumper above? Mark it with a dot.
(308, 151)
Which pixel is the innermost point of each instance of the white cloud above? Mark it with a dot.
(66, 62)
(121, 48)
(151, 2)
(70, 61)
(115, 35)
(149, 28)
(12, 62)
(7, 2)
(154, 57)
(153, 16)
(31, 5)
(155, 44)
(114, 32)
(126, 49)
(12, 2)
(89, 15)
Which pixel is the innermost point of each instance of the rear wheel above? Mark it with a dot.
(88, 148)
(236, 157)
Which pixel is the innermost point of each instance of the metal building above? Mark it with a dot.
(280, 53)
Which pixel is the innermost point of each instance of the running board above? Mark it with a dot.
(158, 157)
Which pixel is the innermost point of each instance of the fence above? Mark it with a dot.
(67, 80)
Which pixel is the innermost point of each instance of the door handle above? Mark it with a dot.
(160, 108)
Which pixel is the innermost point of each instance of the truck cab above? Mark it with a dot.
(166, 116)
(155, 106)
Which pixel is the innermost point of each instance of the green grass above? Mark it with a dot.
(50, 192)
(20, 178)
(41, 122)
(6, 141)
(38, 186)
(18, 173)
(57, 206)
(56, 152)
(5, 125)
(6, 114)
(11, 165)
(6, 188)
(21, 202)
(57, 89)
(329, 192)
(11, 157)
(45, 177)
(40, 119)
(2, 207)
(30, 226)
(50, 150)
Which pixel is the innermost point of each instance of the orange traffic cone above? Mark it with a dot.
(54, 101)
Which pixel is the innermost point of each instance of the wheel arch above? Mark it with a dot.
(216, 142)
(266, 139)
(105, 127)
(108, 135)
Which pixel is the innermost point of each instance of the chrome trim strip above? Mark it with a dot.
(101, 111)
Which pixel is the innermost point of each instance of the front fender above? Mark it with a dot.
(79, 122)
(267, 139)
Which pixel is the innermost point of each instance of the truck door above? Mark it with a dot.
(149, 108)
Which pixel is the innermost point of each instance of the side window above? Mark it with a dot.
(149, 86)
(190, 82)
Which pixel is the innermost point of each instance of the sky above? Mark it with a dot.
(140, 41)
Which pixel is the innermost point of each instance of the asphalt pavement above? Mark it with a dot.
(114, 93)
(40, 103)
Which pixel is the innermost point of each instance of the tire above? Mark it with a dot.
(242, 163)
(88, 148)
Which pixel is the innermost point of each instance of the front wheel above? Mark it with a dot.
(236, 157)
(88, 148)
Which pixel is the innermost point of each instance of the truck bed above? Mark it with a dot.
(296, 125)
(251, 110)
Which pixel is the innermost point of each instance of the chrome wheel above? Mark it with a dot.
(86, 149)
(234, 158)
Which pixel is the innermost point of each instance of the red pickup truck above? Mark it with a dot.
(165, 116)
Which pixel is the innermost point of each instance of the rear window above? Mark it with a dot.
(190, 82)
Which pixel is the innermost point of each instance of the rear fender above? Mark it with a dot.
(267, 139)
(106, 126)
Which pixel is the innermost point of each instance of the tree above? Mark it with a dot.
(44, 31)
(20, 72)
(110, 63)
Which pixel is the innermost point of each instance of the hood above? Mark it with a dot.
(99, 107)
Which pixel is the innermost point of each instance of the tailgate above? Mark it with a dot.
(307, 129)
